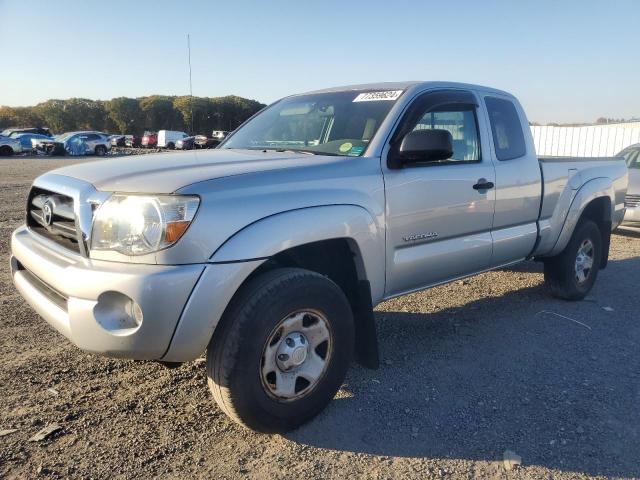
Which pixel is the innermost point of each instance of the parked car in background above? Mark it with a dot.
(168, 138)
(219, 135)
(28, 140)
(117, 140)
(631, 157)
(48, 146)
(76, 143)
(8, 132)
(202, 141)
(149, 139)
(132, 141)
(9, 146)
(186, 143)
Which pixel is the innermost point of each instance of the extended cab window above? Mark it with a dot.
(462, 126)
(508, 139)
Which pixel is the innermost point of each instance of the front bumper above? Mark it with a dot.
(72, 292)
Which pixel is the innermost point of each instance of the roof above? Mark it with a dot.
(406, 85)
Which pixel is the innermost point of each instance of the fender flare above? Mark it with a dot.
(271, 235)
(591, 190)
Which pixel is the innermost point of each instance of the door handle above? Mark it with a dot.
(483, 184)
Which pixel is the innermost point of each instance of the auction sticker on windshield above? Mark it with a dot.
(378, 96)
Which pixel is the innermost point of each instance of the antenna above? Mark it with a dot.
(190, 84)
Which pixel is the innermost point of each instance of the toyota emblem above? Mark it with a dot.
(47, 213)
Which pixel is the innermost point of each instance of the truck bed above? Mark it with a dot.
(562, 179)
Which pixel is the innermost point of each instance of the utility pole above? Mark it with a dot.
(190, 84)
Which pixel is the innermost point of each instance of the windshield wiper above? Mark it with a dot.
(290, 150)
(282, 150)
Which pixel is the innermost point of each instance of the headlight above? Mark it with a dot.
(138, 224)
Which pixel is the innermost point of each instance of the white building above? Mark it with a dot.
(588, 141)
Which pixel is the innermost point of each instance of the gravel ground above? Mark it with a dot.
(469, 370)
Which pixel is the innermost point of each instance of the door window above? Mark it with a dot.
(451, 110)
(462, 126)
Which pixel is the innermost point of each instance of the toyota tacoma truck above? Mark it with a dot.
(271, 251)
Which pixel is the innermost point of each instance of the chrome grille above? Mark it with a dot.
(52, 215)
(632, 201)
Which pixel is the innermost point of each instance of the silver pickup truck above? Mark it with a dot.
(270, 252)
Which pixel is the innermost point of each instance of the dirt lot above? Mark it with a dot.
(469, 370)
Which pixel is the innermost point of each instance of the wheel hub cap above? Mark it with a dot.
(292, 352)
(584, 261)
(296, 355)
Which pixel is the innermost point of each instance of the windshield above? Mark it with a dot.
(340, 123)
(631, 157)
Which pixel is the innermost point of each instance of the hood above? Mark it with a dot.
(168, 172)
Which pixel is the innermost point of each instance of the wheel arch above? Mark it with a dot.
(298, 236)
(341, 242)
(594, 200)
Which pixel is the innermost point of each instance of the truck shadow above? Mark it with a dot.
(557, 382)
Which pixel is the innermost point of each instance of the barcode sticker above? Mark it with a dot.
(378, 96)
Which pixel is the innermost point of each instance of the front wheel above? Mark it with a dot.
(282, 350)
(101, 150)
(6, 151)
(571, 274)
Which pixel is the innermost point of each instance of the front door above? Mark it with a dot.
(439, 214)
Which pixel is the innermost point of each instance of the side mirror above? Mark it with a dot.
(427, 145)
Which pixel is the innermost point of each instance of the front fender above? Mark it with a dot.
(276, 233)
(596, 188)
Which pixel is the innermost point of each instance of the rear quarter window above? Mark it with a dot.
(508, 139)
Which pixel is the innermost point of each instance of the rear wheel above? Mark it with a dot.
(6, 151)
(282, 350)
(571, 274)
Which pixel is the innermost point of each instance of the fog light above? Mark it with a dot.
(117, 313)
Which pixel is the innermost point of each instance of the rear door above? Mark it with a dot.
(518, 190)
(439, 214)
(92, 142)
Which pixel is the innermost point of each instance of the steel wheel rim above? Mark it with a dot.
(296, 355)
(584, 261)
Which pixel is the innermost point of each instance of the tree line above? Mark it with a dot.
(126, 115)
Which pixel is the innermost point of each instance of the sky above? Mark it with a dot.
(567, 61)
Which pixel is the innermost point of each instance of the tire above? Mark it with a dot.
(561, 273)
(170, 146)
(6, 151)
(100, 150)
(238, 354)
